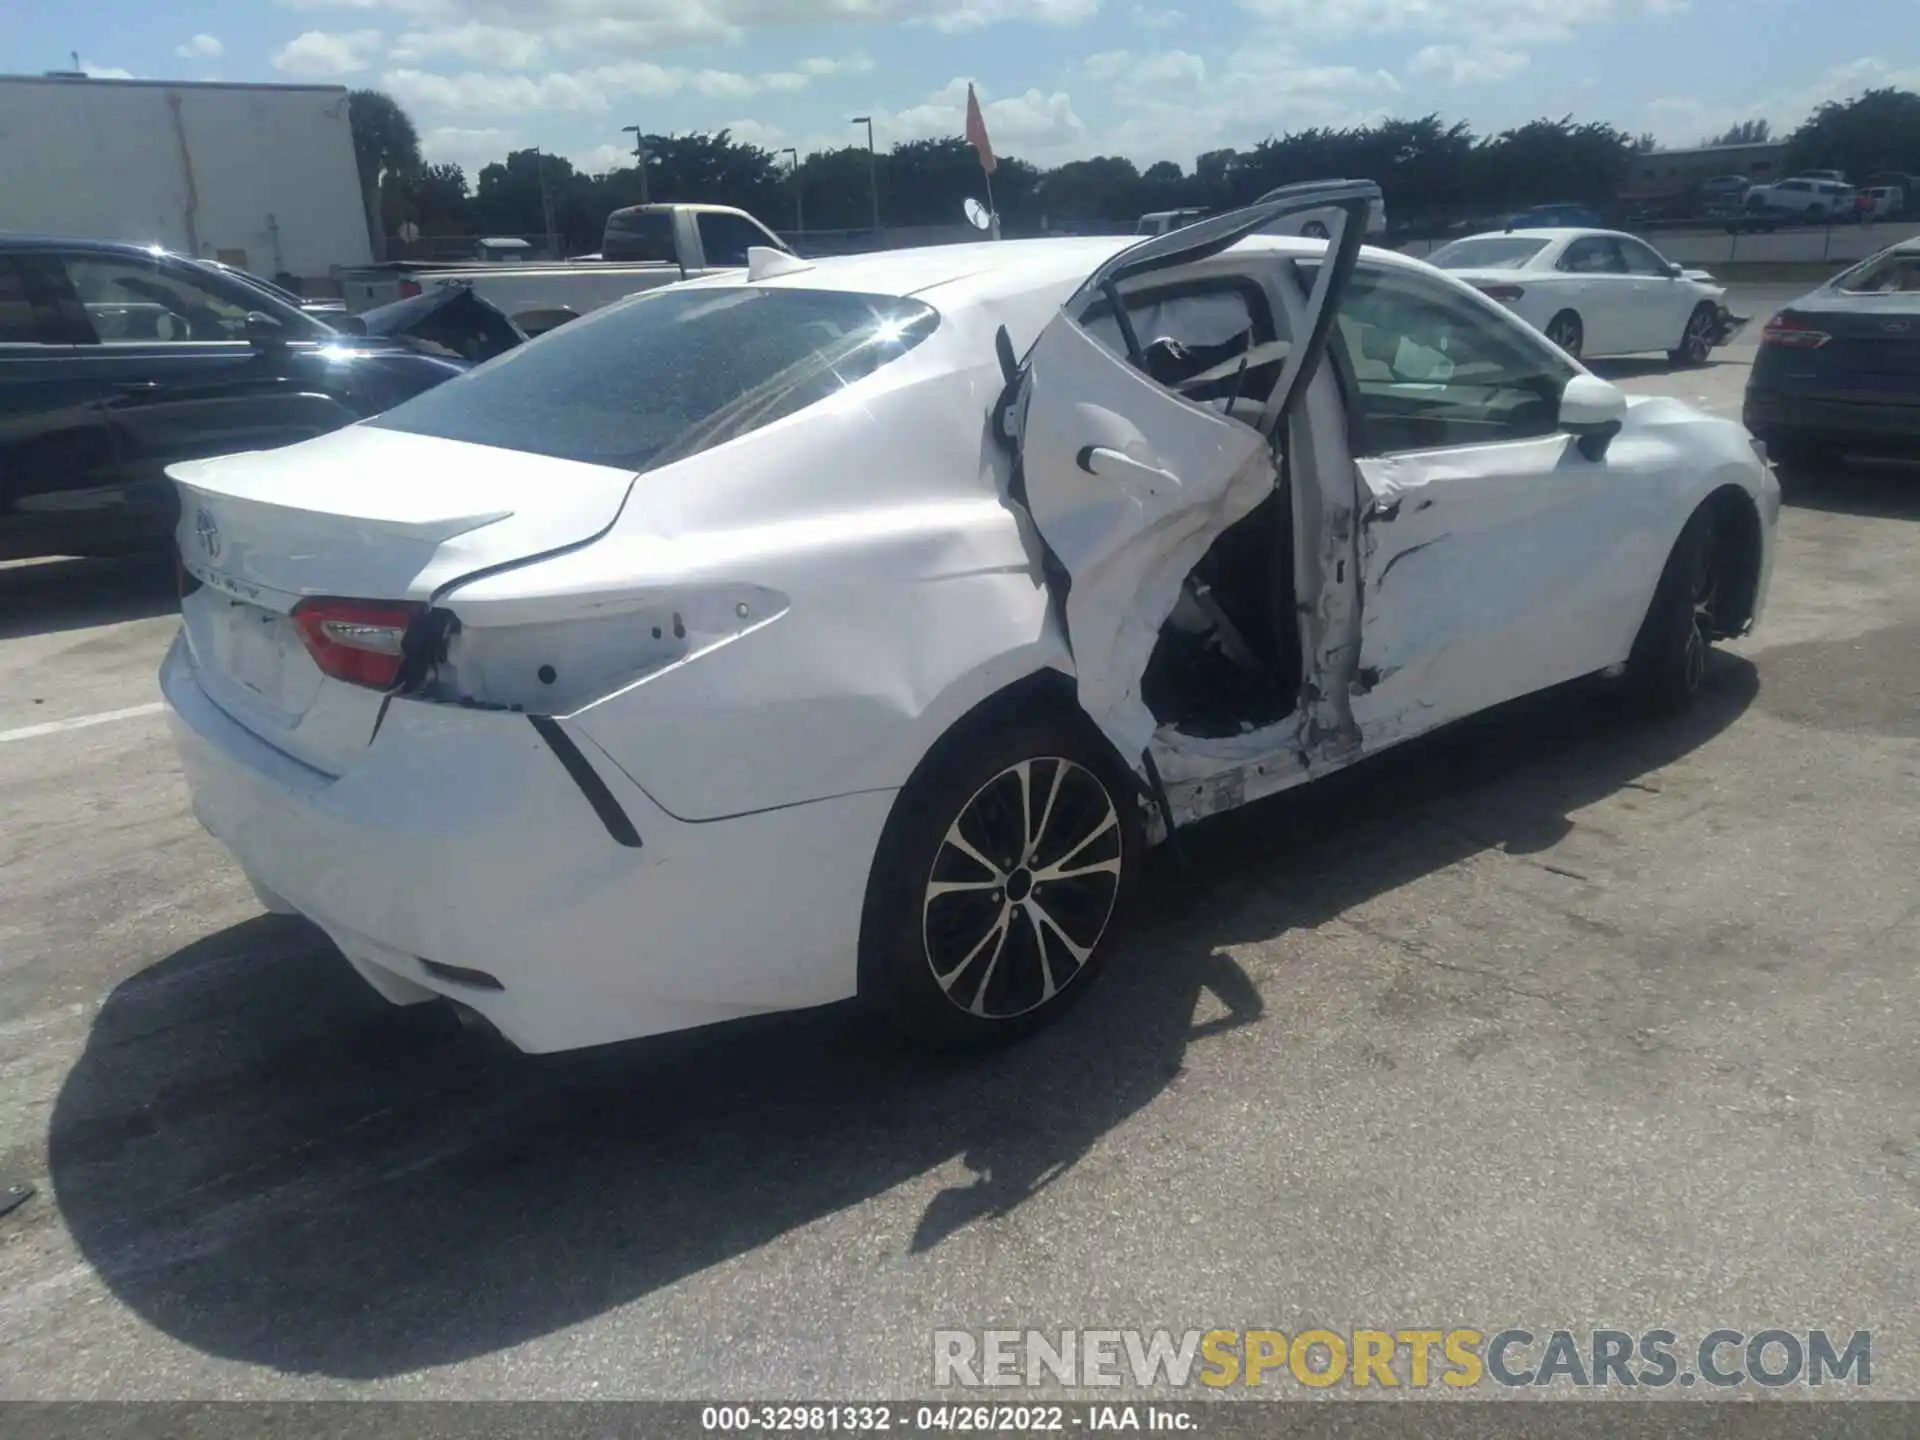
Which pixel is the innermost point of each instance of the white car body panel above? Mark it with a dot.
(756, 646)
(1621, 314)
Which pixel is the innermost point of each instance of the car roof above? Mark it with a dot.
(10, 243)
(986, 270)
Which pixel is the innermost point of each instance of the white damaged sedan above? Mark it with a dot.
(853, 627)
(1595, 292)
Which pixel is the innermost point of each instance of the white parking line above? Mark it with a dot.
(54, 727)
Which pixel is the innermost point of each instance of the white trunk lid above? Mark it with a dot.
(366, 514)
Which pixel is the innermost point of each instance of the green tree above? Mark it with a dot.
(384, 143)
(1876, 131)
(1747, 132)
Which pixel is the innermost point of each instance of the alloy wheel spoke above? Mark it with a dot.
(1037, 913)
(1055, 873)
(1048, 987)
(1046, 814)
(937, 888)
(1052, 872)
(1003, 927)
(966, 847)
(999, 929)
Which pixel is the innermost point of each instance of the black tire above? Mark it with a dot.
(972, 964)
(1696, 341)
(1566, 331)
(1668, 663)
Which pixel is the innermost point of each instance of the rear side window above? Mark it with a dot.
(1499, 252)
(637, 236)
(667, 375)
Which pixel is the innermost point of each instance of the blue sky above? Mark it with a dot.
(1152, 79)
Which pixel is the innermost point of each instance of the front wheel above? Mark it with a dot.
(1566, 331)
(999, 879)
(1668, 664)
(1696, 341)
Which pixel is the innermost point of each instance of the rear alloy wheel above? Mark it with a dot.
(1668, 665)
(1696, 343)
(1565, 331)
(998, 882)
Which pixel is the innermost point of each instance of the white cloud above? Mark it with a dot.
(201, 47)
(594, 90)
(1157, 20)
(325, 54)
(753, 132)
(1512, 22)
(1686, 120)
(1477, 64)
(599, 159)
(972, 14)
(105, 72)
(494, 45)
(469, 149)
(1036, 126)
(1167, 69)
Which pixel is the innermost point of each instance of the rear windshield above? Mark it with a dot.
(1884, 274)
(663, 376)
(634, 236)
(1492, 252)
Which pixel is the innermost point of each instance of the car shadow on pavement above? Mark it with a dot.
(1871, 489)
(48, 596)
(268, 1164)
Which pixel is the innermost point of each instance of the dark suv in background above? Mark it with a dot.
(117, 360)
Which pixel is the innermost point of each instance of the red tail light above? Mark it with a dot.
(1501, 292)
(1790, 332)
(359, 641)
(409, 289)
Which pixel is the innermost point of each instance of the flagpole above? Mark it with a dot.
(993, 212)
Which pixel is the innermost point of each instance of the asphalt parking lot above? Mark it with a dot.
(1553, 1020)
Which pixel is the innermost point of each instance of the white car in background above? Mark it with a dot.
(782, 637)
(1595, 292)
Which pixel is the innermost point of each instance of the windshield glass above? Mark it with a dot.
(1884, 274)
(666, 375)
(1487, 252)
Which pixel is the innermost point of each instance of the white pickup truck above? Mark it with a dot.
(644, 247)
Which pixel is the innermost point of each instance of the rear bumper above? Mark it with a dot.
(1776, 415)
(462, 838)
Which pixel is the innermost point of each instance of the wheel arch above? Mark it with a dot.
(1736, 521)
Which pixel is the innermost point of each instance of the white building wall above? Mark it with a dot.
(261, 175)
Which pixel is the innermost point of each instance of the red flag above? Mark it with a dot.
(977, 132)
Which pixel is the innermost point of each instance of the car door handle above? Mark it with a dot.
(138, 387)
(1110, 464)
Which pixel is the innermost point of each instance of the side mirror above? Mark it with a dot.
(348, 324)
(1677, 270)
(263, 331)
(1593, 411)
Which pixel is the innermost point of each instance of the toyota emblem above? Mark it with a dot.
(208, 531)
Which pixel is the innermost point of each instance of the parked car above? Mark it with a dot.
(1159, 222)
(786, 636)
(1885, 201)
(1595, 292)
(1838, 370)
(1558, 216)
(1809, 196)
(117, 359)
(644, 247)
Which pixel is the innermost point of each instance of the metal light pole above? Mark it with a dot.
(639, 155)
(546, 200)
(799, 215)
(873, 170)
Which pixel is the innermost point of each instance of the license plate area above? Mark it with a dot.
(255, 655)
